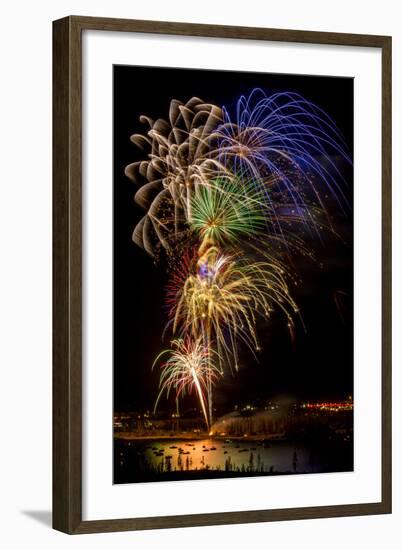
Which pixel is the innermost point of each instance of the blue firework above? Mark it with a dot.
(290, 148)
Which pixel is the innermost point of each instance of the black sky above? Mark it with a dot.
(320, 363)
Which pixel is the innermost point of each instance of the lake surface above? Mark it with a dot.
(153, 459)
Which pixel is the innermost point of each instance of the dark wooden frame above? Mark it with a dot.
(67, 281)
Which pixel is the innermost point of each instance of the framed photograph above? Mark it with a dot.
(222, 272)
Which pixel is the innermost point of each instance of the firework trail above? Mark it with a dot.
(222, 300)
(188, 368)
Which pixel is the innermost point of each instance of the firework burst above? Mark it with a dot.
(227, 198)
(226, 210)
(290, 148)
(188, 368)
(179, 158)
(223, 299)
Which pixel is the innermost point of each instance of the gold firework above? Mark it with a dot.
(189, 367)
(223, 299)
(179, 158)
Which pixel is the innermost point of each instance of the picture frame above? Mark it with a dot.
(68, 293)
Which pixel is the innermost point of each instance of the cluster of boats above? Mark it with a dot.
(191, 446)
(181, 451)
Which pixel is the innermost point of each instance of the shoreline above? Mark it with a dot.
(130, 436)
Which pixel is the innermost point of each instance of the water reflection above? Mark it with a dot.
(225, 455)
(161, 457)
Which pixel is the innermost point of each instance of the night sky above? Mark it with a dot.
(319, 365)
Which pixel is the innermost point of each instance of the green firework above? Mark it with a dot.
(227, 209)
